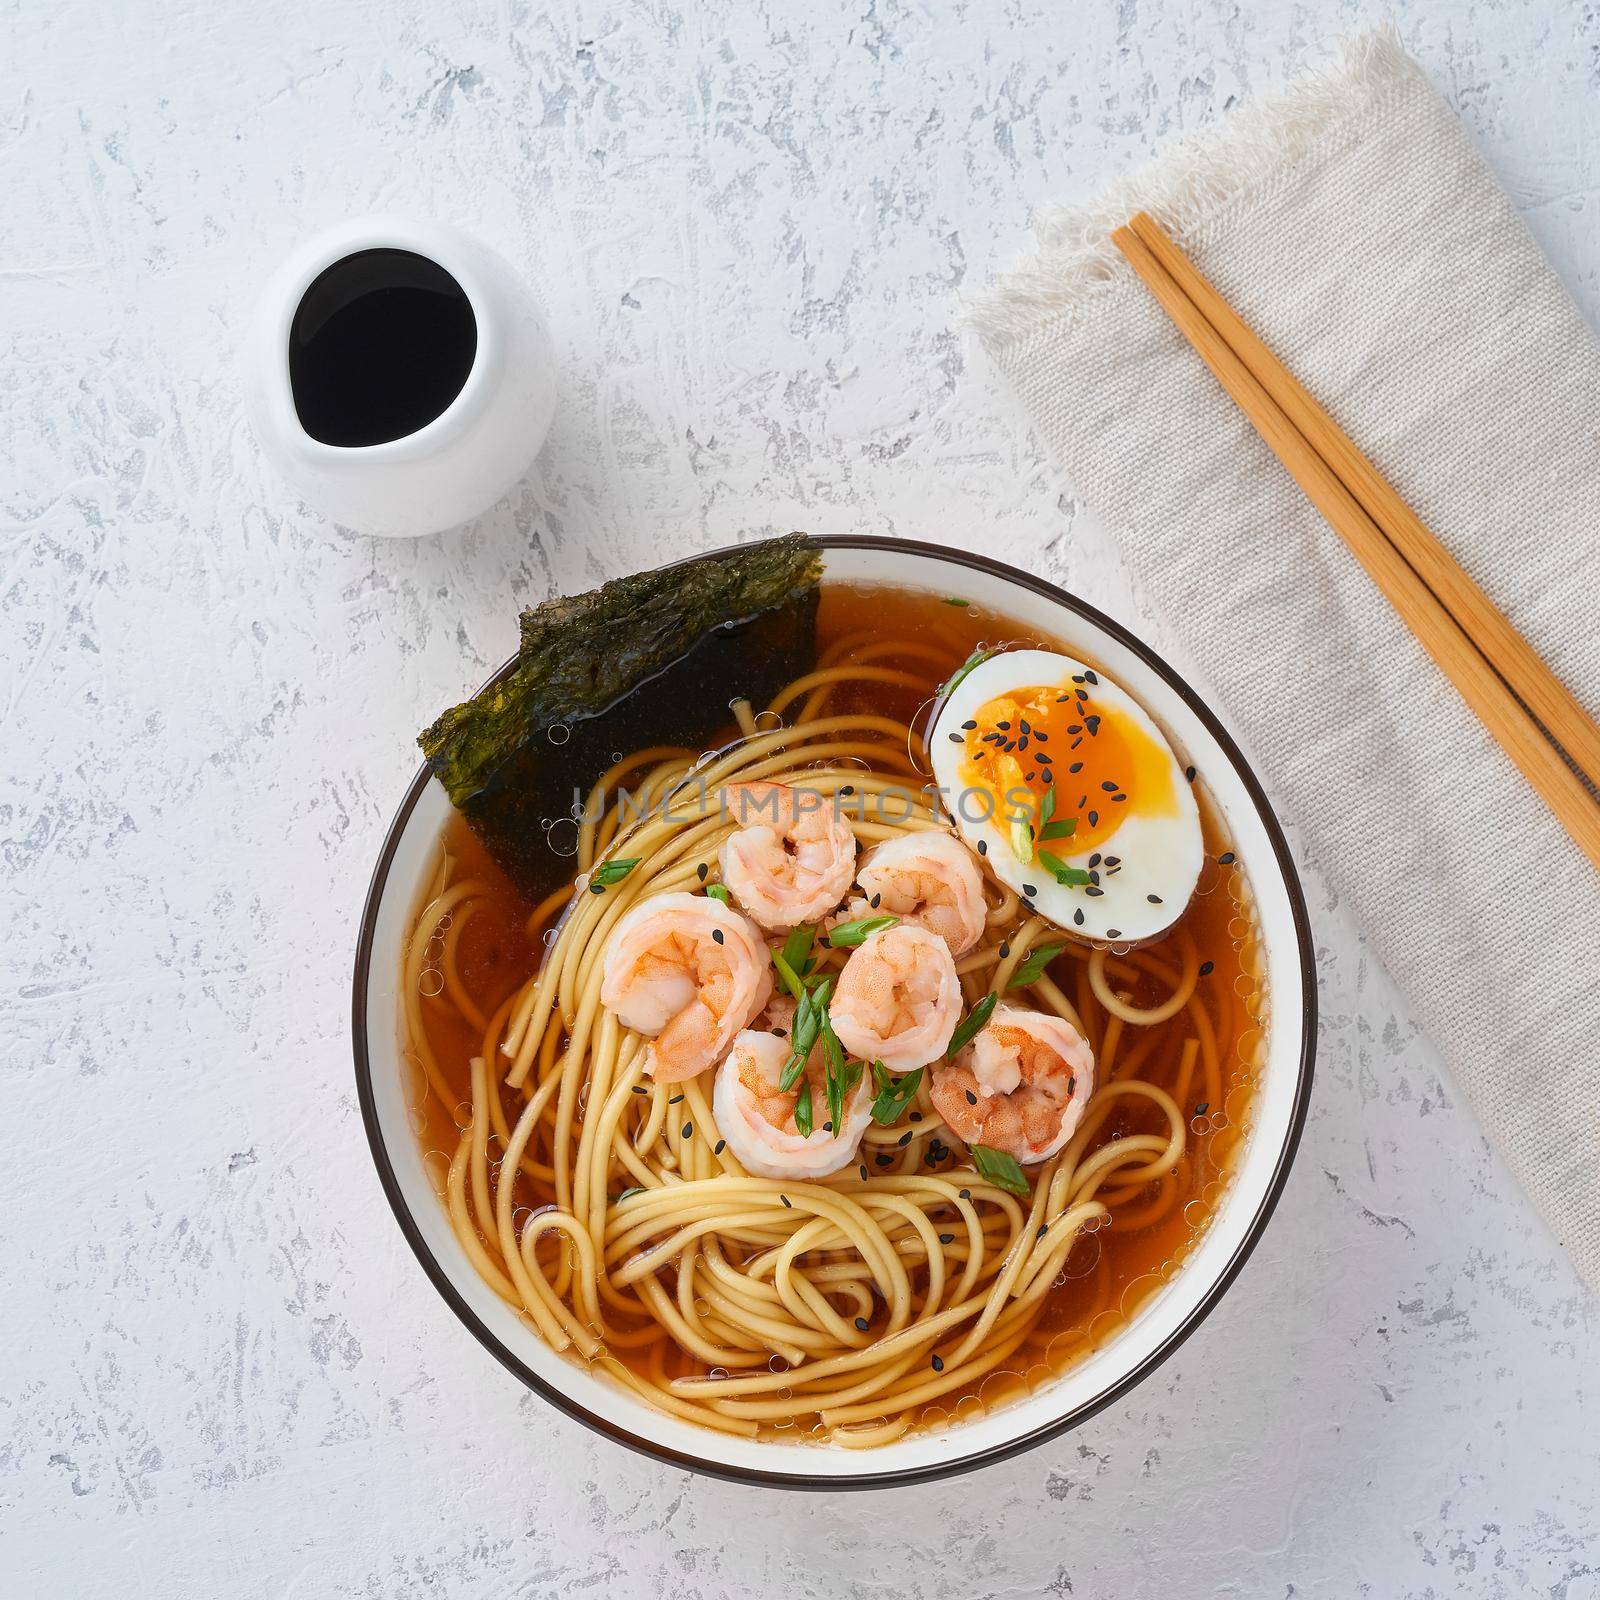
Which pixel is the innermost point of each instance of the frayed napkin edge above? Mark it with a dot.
(1073, 259)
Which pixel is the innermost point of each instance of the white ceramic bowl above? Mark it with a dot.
(1164, 1320)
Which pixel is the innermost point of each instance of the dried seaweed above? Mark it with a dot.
(651, 658)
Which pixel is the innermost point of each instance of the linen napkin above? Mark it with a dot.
(1355, 228)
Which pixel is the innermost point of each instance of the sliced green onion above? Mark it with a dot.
(1064, 828)
(850, 934)
(791, 978)
(976, 659)
(627, 1192)
(1002, 1170)
(610, 872)
(975, 1021)
(1022, 839)
(802, 1111)
(1072, 877)
(894, 1095)
(717, 892)
(797, 947)
(1032, 966)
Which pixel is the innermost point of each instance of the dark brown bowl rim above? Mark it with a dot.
(1058, 1425)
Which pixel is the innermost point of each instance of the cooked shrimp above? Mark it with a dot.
(691, 972)
(931, 879)
(1020, 1086)
(792, 856)
(898, 999)
(756, 1117)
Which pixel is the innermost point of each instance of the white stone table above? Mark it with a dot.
(223, 1373)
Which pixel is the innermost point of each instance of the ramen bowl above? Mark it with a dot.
(1162, 1319)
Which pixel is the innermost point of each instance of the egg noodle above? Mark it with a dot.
(606, 1208)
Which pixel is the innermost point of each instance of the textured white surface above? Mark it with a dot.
(223, 1372)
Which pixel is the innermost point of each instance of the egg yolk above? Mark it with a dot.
(1096, 765)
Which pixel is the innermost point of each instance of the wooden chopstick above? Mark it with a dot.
(1544, 694)
(1473, 660)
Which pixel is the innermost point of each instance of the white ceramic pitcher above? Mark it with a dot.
(472, 452)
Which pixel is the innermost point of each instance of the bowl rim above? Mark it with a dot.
(1055, 1427)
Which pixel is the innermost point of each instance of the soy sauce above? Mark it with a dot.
(380, 345)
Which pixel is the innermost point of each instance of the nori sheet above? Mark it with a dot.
(654, 658)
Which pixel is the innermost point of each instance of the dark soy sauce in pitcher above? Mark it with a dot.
(380, 345)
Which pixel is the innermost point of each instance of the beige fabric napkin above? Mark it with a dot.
(1353, 224)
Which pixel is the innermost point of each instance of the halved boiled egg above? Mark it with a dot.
(1063, 783)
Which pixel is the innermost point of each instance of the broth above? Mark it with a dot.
(1111, 1270)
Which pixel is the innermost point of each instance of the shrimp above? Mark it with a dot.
(792, 856)
(756, 1117)
(898, 999)
(689, 971)
(931, 879)
(1021, 1086)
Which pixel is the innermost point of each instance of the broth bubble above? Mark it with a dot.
(561, 836)
(559, 733)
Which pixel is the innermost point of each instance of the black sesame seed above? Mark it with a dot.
(597, 888)
(863, 1170)
(688, 1130)
(1077, 677)
(1094, 891)
(722, 1144)
(1089, 677)
(716, 934)
(1005, 948)
(972, 1099)
(1004, 727)
(1109, 786)
(1094, 819)
(1154, 899)
(947, 1238)
(1044, 1228)
(702, 872)
(966, 1194)
(1188, 773)
(827, 1127)
(1077, 917)
(1041, 758)
(1201, 1109)
(884, 1161)
(675, 1099)
(848, 789)
(938, 1364)
(916, 1116)
(1077, 766)
(955, 738)
(1076, 727)
(639, 1088)
(903, 1140)
(1113, 933)
(1113, 861)
(1225, 859)
(875, 901)
(787, 1201)
(983, 847)
(1094, 860)
(863, 1324)
(969, 725)
(1207, 968)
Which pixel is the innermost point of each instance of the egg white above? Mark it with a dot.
(1159, 855)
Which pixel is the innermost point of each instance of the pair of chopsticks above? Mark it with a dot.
(1526, 708)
